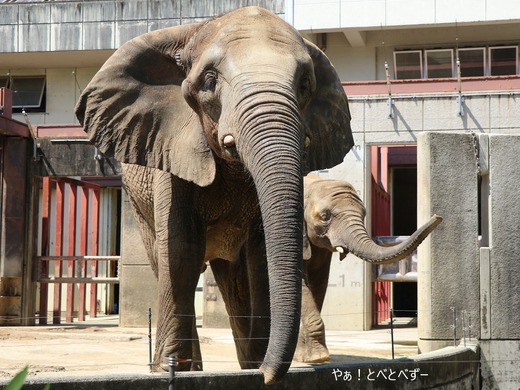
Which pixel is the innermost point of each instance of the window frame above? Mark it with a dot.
(421, 67)
(24, 104)
(426, 69)
(502, 47)
(484, 56)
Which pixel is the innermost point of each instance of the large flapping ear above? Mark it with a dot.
(327, 116)
(134, 109)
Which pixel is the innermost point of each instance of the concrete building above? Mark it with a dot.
(410, 68)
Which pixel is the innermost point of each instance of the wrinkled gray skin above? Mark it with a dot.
(214, 124)
(334, 221)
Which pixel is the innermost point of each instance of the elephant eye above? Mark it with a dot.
(324, 215)
(210, 80)
(304, 91)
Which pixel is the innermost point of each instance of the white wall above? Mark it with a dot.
(334, 14)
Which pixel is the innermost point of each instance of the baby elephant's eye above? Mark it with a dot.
(210, 80)
(325, 215)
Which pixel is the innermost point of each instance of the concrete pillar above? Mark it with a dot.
(448, 270)
(500, 286)
(138, 286)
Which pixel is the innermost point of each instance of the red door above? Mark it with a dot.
(73, 237)
(380, 223)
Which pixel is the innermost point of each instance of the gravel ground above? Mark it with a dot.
(100, 346)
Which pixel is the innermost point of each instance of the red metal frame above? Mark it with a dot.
(44, 267)
(58, 251)
(78, 248)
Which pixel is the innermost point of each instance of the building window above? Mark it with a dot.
(439, 63)
(28, 92)
(408, 64)
(503, 60)
(3, 82)
(472, 61)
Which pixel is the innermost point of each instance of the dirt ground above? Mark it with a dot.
(100, 347)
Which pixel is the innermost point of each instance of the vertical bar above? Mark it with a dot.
(454, 326)
(58, 250)
(71, 265)
(94, 250)
(44, 265)
(150, 356)
(83, 251)
(392, 331)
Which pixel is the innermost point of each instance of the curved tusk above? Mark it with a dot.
(229, 141)
(340, 249)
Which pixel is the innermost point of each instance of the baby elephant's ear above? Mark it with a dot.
(134, 110)
(327, 116)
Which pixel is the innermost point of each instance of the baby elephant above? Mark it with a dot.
(334, 222)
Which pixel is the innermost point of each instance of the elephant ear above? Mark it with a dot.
(327, 116)
(134, 109)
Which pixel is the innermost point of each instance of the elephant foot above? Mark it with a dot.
(311, 351)
(317, 357)
(299, 353)
(179, 365)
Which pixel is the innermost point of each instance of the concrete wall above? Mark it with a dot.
(138, 286)
(485, 113)
(454, 271)
(451, 368)
(335, 14)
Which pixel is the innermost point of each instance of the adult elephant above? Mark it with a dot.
(215, 123)
(334, 222)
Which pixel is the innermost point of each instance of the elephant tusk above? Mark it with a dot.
(340, 249)
(229, 141)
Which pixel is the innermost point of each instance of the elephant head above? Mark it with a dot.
(334, 219)
(244, 93)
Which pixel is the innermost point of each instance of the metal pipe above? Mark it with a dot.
(150, 357)
(392, 330)
(172, 364)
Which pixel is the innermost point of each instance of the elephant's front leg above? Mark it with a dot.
(312, 347)
(180, 253)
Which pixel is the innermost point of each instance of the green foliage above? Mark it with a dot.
(17, 382)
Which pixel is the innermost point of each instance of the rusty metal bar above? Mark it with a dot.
(83, 251)
(77, 258)
(44, 270)
(71, 265)
(73, 280)
(94, 249)
(58, 251)
(78, 183)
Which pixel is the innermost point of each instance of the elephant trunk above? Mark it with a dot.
(361, 244)
(272, 153)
